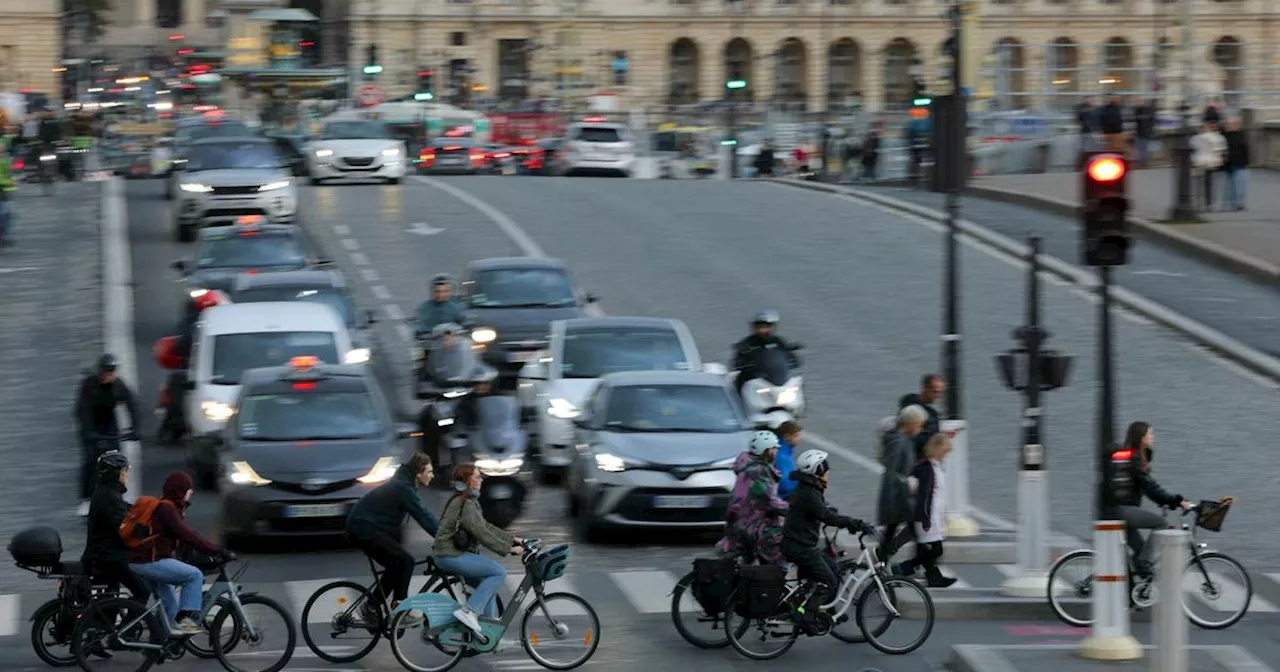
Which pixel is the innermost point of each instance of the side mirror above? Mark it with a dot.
(370, 318)
(179, 266)
(591, 298)
(407, 430)
(716, 368)
(166, 354)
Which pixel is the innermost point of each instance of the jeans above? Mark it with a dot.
(162, 575)
(1135, 520)
(397, 563)
(1236, 179)
(6, 218)
(484, 575)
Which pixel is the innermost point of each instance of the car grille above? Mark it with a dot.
(322, 490)
(358, 161)
(287, 525)
(234, 191)
(638, 506)
(233, 212)
(531, 341)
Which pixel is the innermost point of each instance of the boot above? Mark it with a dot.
(936, 579)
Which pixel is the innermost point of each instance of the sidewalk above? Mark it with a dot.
(1248, 241)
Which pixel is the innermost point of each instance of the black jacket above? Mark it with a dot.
(931, 426)
(384, 509)
(744, 350)
(1237, 150)
(808, 512)
(1146, 486)
(95, 409)
(1111, 119)
(765, 161)
(107, 510)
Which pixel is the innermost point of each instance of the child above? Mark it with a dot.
(931, 497)
(785, 460)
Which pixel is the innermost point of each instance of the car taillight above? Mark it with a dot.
(428, 155)
(477, 156)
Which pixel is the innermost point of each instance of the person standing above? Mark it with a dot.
(1144, 131)
(95, 413)
(1111, 125)
(8, 191)
(931, 388)
(898, 455)
(1208, 150)
(1236, 166)
(929, 518)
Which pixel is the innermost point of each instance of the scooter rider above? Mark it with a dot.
(466, 413)
(441, 308)
(440, 359)
(744, 351)
(173, 424)
(95, 413)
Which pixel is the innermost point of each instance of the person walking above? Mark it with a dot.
(1236, 166)
(1208, 150)
(8, 191)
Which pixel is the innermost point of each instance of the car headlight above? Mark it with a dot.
(197, 293)
(216, 411)
(48, 157)
(611, 463)
(391, 151)
(191, 187)
(273, 186)
(382, 471)
(321, 153)
(788, 395)
(491, 467)
(483, 335)
(444, 422)
(240, 473)
(357, 356)
(562, 408)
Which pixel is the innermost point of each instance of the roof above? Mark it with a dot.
(636, 378)
(306, 278)
(252, 318)
(499, 263)
(276, 373)
(228, 229)
(583, 323)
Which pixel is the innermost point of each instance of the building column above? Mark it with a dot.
(873, 64)
(144, 13)
(193, 12)
(816, 76)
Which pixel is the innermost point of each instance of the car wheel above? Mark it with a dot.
(393, 180)
(184, 233)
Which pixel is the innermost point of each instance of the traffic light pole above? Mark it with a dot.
(1106, 399)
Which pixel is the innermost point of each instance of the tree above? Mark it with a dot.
(91, 15)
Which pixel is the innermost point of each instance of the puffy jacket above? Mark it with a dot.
(170, 526)
(809, 512)
(96, 403)
(384, 509)
(785, 462)
(107, 509)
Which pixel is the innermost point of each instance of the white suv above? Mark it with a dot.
(592, 147)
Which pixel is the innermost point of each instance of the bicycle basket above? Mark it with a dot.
(551, 565)
(1213, 514)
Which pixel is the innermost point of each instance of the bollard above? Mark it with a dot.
(1168, 622)
(960, 522)
(1110, 638)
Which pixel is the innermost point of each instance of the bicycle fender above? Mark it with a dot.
(438, 609)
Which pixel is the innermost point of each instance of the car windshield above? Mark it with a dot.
(278, 252)
(522, 287)
(233, 354)
(671, 408)
(195, 132)
(599, 134)
(233, 156)
(356, 130)
(309, 416)
(593, 354)
(328, 296)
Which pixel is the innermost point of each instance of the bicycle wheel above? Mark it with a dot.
(903, 602)
(1221, 586)
(259, 618)
(567, 625)
(683, 605)
(781, 627)
(1071, 588)
(50, 630)
(454, 587)
(336, 615)
(848, 618)
(419, 651)
(108, 627)
(199, 647)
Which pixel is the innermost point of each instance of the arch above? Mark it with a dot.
(1064, 67)
(739, 63)
(844, 71)
(1118, 74)
(1228, 55)
(169, 13)
(1010, 79)
(901, 66)
(685, 68)
(792, 87)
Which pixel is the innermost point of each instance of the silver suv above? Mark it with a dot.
(227, 179)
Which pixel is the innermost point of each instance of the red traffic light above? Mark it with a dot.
(1122, 455)
(426, 73)
(1106, 168)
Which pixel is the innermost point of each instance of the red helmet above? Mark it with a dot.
(207, 300)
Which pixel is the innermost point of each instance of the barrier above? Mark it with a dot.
(1110, 639)
(960, 523)
(1168, 623)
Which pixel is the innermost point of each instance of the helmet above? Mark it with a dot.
(769, 317)
(449, 328)
(813, 462)
(112, 462)
(206, 300)
(762, 441)
(107, 363)
(484, 374)
(442, 279)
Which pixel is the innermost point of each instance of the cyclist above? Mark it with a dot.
(105, 556)
(753, 528)
(95, 413)
(800, 534)
(374, 524)
(1140, 438)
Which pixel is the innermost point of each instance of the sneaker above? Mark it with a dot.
(370, 615)
(468, 618)
(942, 581)
(411, 619)
(185, 626)
(83, 509)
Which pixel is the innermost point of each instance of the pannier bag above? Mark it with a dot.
(713, 580)
(760, 589)
(36, 547)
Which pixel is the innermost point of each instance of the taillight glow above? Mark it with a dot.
(1122, 455)
(304, 386)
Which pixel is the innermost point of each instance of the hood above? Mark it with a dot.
(674, 448)
(525, 322)
(367, 147)
(237, 177)
(572, 390)
(224, 279)
(297, 461)
(176, 486)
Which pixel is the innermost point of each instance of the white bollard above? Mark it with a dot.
(1110, 638)
(960, 523)
(1032, 579)
(1168, 622)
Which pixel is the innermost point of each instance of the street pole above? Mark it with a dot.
(1183, 209)
(823, 136)
(732, 95)
(1106, 400)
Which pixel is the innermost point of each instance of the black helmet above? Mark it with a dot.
(442, 279)
(769, 317)
(107, 363)
(112, 462)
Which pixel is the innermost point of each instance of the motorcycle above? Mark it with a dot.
(497, 446)
(443, 380)
(775, 392)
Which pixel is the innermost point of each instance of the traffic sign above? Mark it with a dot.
(370, 95)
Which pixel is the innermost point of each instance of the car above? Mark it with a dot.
(655, 449)
(231, 339)
(225, 179)
(247, 247)
(193, 129)
(510, 305)
(596, 147)
(580, 351)
(309, 440)
(359, 149)
(311, 286)
(452, 156)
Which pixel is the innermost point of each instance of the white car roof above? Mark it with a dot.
(253, 318)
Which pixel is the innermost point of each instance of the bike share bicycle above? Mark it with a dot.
(1210, 579)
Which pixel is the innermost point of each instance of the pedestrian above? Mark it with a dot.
(95, 414)
(784, 461)
(1111, 125)
(1213, 113)
(8, 191)
(1085, 118)
(1144, 130)
(765, 159)
(870, 153)
(852, 156)
(898, 454)
(1236, 167)
(929, 513)
(931, 388)
(1208, 151)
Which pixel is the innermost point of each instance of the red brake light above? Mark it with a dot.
(1106, 168)
(247, 234)
(19, 164)
(304, 386)
(251, 271)
(1124, 455)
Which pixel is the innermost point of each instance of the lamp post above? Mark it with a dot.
(1184, 209)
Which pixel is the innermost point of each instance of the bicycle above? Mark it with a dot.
(53, 621)
(122, 625)
(902, 597)
(360, 613)
(1064, 593)
(443, 633)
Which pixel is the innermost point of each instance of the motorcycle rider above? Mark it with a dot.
(744, 351)
(105, 556)
(753, 527)
(441, 359)
(801, 532)
(95, 414)
(441, 308)
(466, 413)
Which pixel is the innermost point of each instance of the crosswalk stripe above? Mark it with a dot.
(1060, 586)
(10, 615)
(649, 591)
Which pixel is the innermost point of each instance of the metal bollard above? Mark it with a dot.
(1110, 639)
(1168, 623)
(960, 522)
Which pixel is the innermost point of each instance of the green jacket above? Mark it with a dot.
(7, 183)
(465, 514)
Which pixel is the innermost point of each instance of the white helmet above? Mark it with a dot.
(812, 462)
(761, 441)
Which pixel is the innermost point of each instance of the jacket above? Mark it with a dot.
(1237, 150)
(384, 509)
(50, 131)
(744, 350)
(170, 526)
(95, 408)
(930, 501)
(809, 512)
(1146, 486)
(107, 510)
(432, 313)
(784, 463)
(1111, 119)
(899, 454)
(1208, 150)
(932, 425)
(755, 519)
(464, 513)
(7, 183)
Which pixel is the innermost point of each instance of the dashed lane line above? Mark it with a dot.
(350, 244)
(359, 259)
(381, 292)
(342, 229)
(368, 274)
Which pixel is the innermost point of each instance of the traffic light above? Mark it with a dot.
(371, 61)
(1105, 224)
(1120, 476)
(424, 85)
(735, 84)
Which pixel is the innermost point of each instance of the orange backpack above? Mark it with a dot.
(136, 528)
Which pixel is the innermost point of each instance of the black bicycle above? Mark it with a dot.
(53, 621)
(350, 618)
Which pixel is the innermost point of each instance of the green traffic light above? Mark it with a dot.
(736, 84)
(423, 96)
(372, 69)
(922, 102)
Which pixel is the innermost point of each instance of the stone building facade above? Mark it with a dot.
(30, 45)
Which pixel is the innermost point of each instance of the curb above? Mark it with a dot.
(992, 658)
(1256, 361)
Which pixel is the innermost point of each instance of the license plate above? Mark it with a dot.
(680, 502)
(315, 510)
(449, 160)
(500, 491)
(523, 357)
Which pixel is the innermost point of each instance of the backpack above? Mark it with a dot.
(136, 528)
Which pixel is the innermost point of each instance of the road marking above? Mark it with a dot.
(508, 226)
(350, 244)
(342, 229)
(10, 615)
(1061, 586)
(369, 275)
(117, 310)
(381, 292)
(19, 269)
(394, 312)
(649, 591)
(423, 229)
(359, 259)
(1156, 271)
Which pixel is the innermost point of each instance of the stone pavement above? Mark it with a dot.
(50, 332)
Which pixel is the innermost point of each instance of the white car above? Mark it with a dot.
(583, 350)
(356, 149)
(596, 147)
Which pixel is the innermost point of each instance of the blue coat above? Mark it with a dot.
(785, 463)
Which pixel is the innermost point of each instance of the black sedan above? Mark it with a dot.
(307, 441)
(452, 156)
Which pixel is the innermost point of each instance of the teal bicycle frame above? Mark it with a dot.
(222, 586)
(438, 610)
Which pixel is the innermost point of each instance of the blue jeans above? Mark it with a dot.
(162, 575)
(1236, 179)
(484, 575)
(6, 218)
